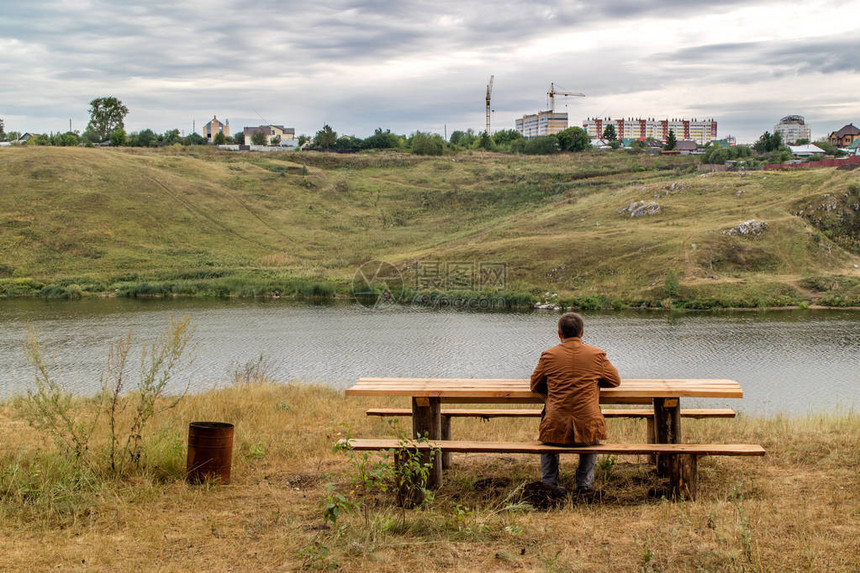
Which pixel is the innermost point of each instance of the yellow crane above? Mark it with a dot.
(489, 95)
(553, 92)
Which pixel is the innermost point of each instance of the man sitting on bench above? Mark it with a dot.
(568, 377)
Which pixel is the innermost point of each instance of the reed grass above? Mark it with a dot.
(795, 509)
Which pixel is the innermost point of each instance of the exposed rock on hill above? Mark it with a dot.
(837, 215)
(751, 228)
(641, 208)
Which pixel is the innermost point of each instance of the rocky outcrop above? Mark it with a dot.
(751, 228)
(641, 208)
(836, 215)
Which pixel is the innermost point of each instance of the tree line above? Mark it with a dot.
(768, 148)
(107, 117)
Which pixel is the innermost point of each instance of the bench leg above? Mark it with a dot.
(650, 437)
(683, 472)
(427, 421)
(667, 428)
(446, 435)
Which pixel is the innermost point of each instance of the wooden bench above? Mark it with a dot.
(682, 458)
(487, 413)
(429, 394)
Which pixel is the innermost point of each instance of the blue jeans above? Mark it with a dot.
(549, 473)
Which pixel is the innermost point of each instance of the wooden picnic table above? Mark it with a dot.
(427, 395)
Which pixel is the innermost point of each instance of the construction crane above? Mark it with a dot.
(489, 95)
(552, 93)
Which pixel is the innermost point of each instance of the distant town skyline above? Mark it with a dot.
(417, 65)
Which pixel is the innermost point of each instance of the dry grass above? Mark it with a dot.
(794, 510)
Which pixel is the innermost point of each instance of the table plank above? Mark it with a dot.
(540, 448)
(517, 390)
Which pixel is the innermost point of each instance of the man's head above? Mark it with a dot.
(570, 325)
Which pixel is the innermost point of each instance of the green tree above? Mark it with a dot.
(768, 142)
(609, 133)
(463, 139)
(170, 137)
(638, 146)
(2, 130)
(504, 137)
(541, 145)
(259, 137)
(220, 138)
(70, 139)
(144, 138)
(827, 147)
(118, 137)
(383, 140)
(573, 139)
(426, 143)
(671, 141)
(348, 143)
(106, 115)
(326, 138)
(714, 154)
(302, 139)
(485, 141)
(195, 139)
(672, 284)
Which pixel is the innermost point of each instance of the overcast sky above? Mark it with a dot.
(424, 65)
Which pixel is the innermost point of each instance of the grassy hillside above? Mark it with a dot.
(201, 221)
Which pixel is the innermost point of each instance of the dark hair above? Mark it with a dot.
(570, 325)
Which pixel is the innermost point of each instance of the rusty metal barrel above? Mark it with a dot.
(210, 451)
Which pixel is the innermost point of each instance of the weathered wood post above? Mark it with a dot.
(427, 421)
(446, 435)
(650, 437)
(683, 474)
(667, 428)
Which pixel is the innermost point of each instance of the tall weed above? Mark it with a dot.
(71, 423)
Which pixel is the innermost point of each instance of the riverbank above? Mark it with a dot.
(843, 293)
(794, 509)
(597, 230)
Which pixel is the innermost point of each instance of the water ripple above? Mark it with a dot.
(786, 362)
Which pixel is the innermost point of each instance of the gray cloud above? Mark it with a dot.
(303, 64)
(817, 55)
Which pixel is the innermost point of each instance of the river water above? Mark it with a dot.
(792, 362)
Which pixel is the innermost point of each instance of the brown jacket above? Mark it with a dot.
(570, 374)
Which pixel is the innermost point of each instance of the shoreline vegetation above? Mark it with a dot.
(589, 230)
(295, 503)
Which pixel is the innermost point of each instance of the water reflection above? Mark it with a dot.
(792, 361)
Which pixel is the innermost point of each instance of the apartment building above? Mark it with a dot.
(793, 128)
(541, 123)
(700, 131)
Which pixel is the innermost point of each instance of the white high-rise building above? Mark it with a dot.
(792, 128)
(541, 123)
